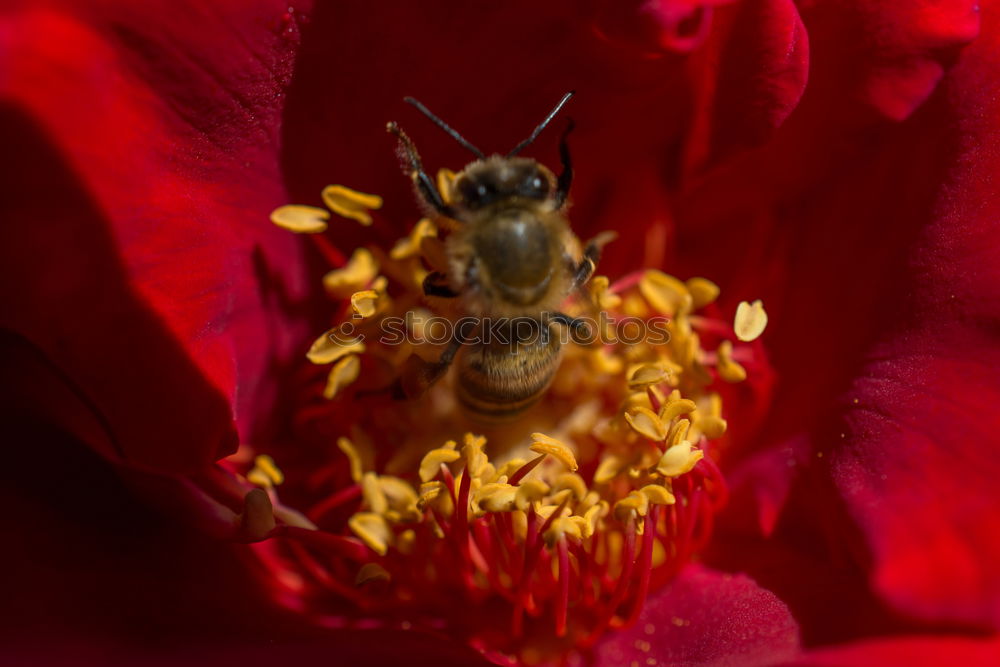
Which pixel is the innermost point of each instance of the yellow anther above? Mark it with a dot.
(371, 572)
(530, 491)
(430, 465)
(590, 499)
(665, 294)
(678, 460)
(675, 407)
(351, 204)
(703, 291)
(545, 445)
(647, 375)
(410, 246)
(359, 271)
(658, 495)
(405, 541)
(509, 468)
(497, 497)
(646, 423)
(400, 494)
(678, 432)
(711, 426)
(608, 469)
(750, 320)
(475, 458)
(343, 373)
(372, 493)
(365, 302)
(353, 456)
(730, 370)
(429, 491)
(592, 516)
(300, 219)
(563, 526)
(603, 299)
(373, 530)
(265, 473)
(328, 348)
(633, 505)
(606, 362)
(573, 482)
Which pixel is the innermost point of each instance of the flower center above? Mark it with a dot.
(553, 526)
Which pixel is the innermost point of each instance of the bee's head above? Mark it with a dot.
(500, 179)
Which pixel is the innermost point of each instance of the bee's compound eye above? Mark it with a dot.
(481, 190)
(534, 186)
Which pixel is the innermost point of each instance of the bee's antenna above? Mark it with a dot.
(538, 130)
(444, 126)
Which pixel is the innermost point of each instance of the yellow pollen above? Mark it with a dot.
(373, 530)
(371, 572)
(560, 527)
(265, 473)
(356, 275)
(353, 456)
(658, 495)
(608, 469)
(496, 497)
(372, 493)
(665, 293)
(343, 373)
(364, 303)
(600, 294)
(750, 320)
(730, 370)
(572, 482)
(328, 348)
(712, 426)
(676, 407)
(678, 432)
(632, 505)
(351, 204)
(528, 492)
(646, 423)
(679, 460)
(647, 375)
(430, 465)
(410, 246)
(545, 445)
(703, 291)
(300, 219)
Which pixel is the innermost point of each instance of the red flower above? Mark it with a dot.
(834, 159)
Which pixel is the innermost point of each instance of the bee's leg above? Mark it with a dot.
(579, 328)
(566, 175)
(418, 375)
(425, 186)
(436, 284)
(591, 256)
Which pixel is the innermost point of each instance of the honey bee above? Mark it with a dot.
(512, 261)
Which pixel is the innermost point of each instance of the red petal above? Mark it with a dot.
(137, 254)
(913, 651)
(706, 618)
(917, 466)
(891, 55)
(754, 75)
